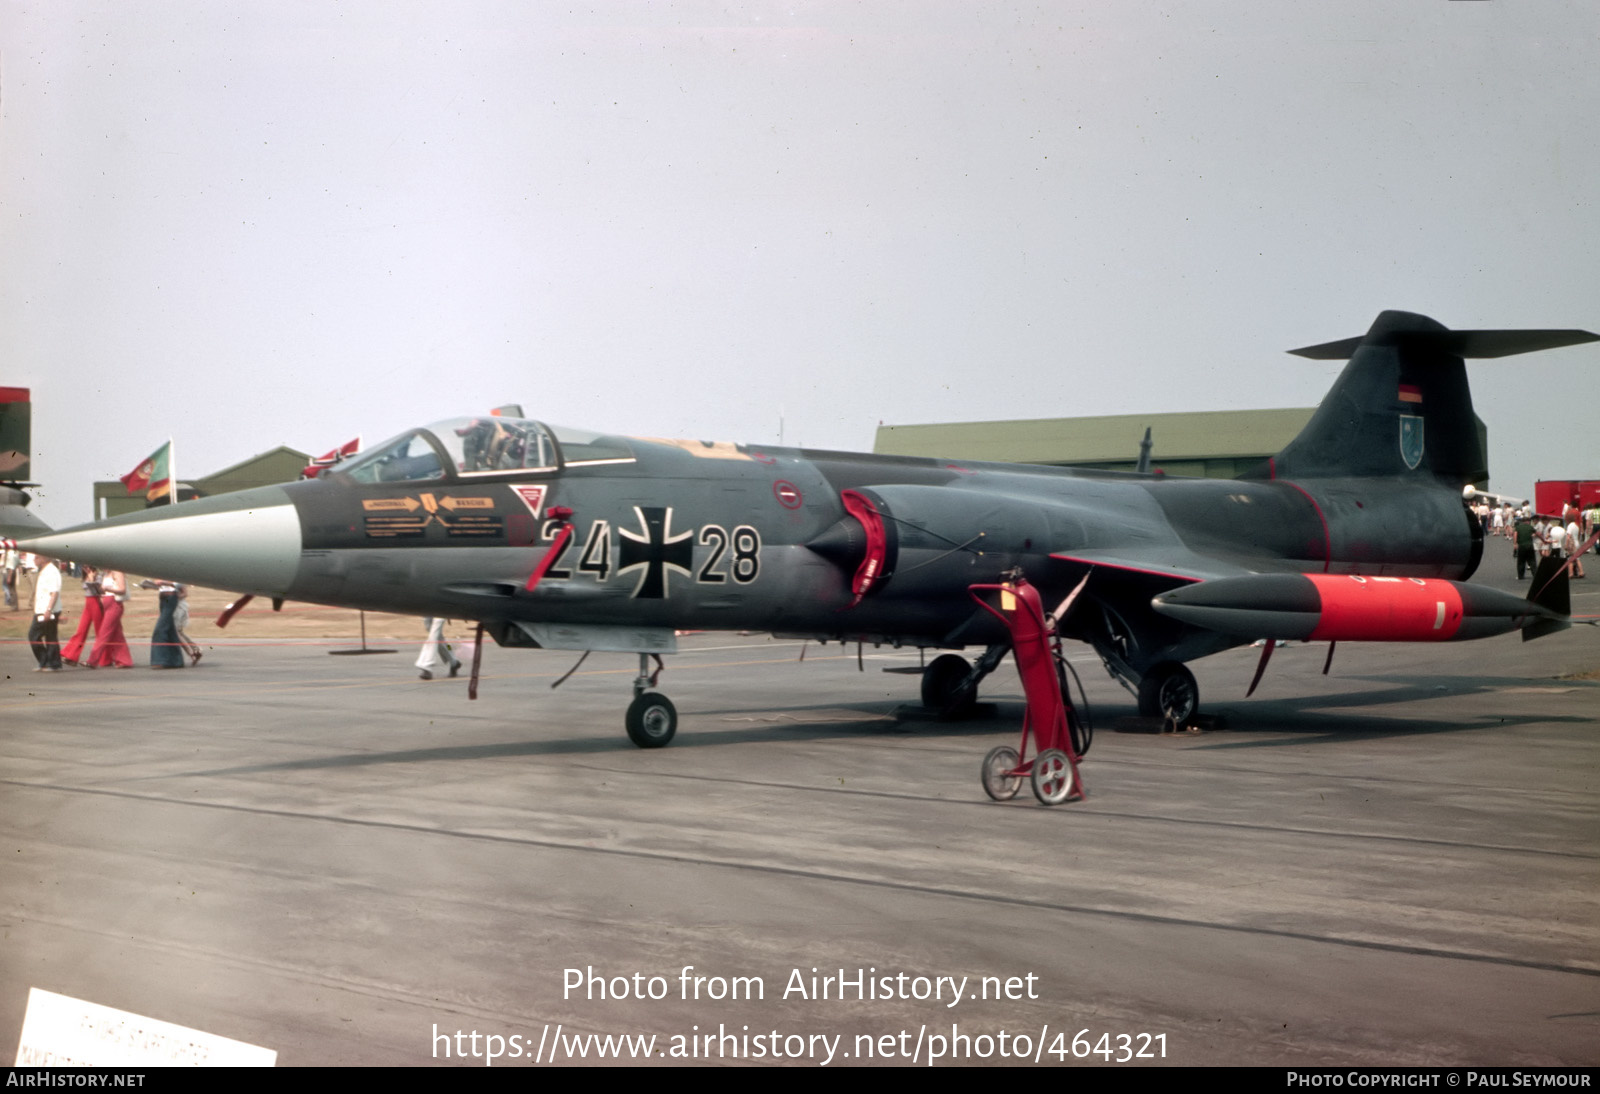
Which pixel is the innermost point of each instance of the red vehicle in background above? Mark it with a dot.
(1549, 495)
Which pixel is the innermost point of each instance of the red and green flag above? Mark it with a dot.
(153, 476)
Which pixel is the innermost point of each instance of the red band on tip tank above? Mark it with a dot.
(1386, 609)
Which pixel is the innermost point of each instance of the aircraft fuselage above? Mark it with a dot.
(719, 541)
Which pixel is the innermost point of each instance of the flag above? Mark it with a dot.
(331, 457)
(153, 476)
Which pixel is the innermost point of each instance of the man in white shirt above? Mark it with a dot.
(1572, 543)
(42, 634)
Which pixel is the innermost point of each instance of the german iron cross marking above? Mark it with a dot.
(656, 551)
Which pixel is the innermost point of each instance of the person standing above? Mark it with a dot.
(165, 650)
(8, 575)
(180, 621)
(1572, 542)
(436, 653)
(42, 632)
(72, 652)
(110, 646)
(1523, 533)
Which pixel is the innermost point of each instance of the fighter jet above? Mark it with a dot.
(560, 538)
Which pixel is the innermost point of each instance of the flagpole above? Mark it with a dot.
(172, 499)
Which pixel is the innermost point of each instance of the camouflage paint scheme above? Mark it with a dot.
(670, 534)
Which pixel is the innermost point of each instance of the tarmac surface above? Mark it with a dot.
(1396, 863)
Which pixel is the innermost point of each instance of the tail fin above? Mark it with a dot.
(16, 447)
(1401, 407)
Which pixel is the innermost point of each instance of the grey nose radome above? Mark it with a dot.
(247, 542)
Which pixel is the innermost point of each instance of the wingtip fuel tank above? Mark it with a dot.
(1350, 607)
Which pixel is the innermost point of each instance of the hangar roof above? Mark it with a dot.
(1216, 434)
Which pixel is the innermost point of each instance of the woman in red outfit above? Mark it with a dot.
(110, 647)
(90, 620)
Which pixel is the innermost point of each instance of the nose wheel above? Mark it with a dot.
(652, 720)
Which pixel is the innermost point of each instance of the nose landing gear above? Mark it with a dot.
(652, 720)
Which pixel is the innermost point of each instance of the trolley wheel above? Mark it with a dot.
(1053, 777)
(941, 684)
(1169, 691)
(998, 781)
(652, 720)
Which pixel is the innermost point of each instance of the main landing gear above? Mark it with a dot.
(950, 683)
(944, 684)
(1168, 691)
(652, 720)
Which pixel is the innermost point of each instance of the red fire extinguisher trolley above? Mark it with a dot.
(1050, 719)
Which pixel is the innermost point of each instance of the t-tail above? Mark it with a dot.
(1401, 407)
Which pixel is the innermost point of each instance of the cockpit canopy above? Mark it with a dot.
(483, 446)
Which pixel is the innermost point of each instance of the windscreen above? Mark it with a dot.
(482, 446)
(409, 457)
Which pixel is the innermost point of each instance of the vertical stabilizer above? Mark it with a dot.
(1401, 407)
(16, 464)
(16, 445)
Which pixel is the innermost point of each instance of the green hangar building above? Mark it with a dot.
(1220, 444)
(282, 464)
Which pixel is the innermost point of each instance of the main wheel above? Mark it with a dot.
(998, 781)
(652, 720)
(1168, 691)
(1053, 777)
(942, 684)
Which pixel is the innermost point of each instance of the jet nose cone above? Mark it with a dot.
(248, 542)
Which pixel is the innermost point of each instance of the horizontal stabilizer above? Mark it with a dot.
(1457, 343)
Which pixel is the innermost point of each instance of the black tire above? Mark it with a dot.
(1169, 691)
(652, 720)
(941, 684)
(1054, 779)
(998, 782)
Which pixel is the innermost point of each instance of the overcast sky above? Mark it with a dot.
(249, 224)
